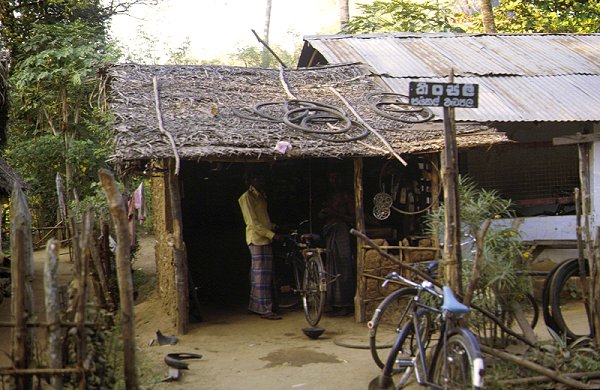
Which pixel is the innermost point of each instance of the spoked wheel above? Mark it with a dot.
(389, 318)
(459, 365)
(313, 297)
(286, 284)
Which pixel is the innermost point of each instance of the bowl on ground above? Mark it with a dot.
(313, 332)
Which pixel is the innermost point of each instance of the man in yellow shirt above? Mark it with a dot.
(259, 235)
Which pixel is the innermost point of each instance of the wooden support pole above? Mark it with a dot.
(592, 285)
(120, 220)
(179, 259)
(452, 256)
(359, 307)
(22, 275)
(53, 310)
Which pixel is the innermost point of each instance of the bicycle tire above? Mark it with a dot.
(399, 362)
(564, 285)
(314, 290)
(534, 309)
(388, 320)
(458, 362)
(546, 306)
(285, 292)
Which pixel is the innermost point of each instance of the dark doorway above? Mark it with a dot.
(213, 227)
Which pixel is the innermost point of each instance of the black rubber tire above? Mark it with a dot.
(532, 307)
(463, 352)
(565, 290)
(286, 284)
(314, 290)
(398, 364)
(546, 306)
(388, 320)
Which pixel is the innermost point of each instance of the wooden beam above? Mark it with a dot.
(179, 259)
(452, 256)
(359, 307)
(575, 139)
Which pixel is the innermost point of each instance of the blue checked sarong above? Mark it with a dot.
(261, 279)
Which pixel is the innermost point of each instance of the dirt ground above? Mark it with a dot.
(239, 350)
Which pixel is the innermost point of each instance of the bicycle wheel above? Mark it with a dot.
(458, 363)
(399, 364)
(286, 284)
(388, 319)
(567, 303)
(313, 290)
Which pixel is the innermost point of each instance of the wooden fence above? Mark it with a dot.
(78, 315)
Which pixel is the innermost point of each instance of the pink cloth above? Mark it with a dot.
(138, 202)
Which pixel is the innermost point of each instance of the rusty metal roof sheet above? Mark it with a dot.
(528, 77)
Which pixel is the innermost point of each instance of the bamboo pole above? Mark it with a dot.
(120, 220)
(22, 275)
(359, 307)
(53, 310)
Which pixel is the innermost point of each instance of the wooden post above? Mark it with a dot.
(591, 284)
(53, 310)
(359, 307)
(452, 255)
(120, 220)
(22, 276)
(181, 270)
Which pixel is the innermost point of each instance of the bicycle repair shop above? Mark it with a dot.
(216, 120)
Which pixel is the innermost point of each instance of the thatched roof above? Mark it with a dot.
(198, 104)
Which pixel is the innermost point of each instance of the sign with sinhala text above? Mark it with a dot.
(421, 93)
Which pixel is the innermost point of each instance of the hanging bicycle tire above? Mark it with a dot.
(566, 301)
(313, 297)
(396, 106)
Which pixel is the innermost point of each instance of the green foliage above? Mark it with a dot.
(54, 123)
(502, 254)
(251, 56)
(400, 15)
(511, 16)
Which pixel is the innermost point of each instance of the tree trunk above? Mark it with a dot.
(344, 13)
(487, 14)
(267, 26)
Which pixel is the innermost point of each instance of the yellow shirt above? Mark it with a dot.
(259, 229)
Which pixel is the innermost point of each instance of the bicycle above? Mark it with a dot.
(457, 360)
(391, 314)
(303, 261)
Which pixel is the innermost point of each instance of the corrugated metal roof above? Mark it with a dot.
(530, 77)
(518, 99)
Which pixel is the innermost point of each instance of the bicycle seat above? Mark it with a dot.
(451, 304)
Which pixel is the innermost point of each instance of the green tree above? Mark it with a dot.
(512, 16)
(400, 15)
(53, 123)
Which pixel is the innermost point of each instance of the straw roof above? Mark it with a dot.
(198, 111)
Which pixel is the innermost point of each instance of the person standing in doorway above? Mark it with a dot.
(259, 236)
(338, 216)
